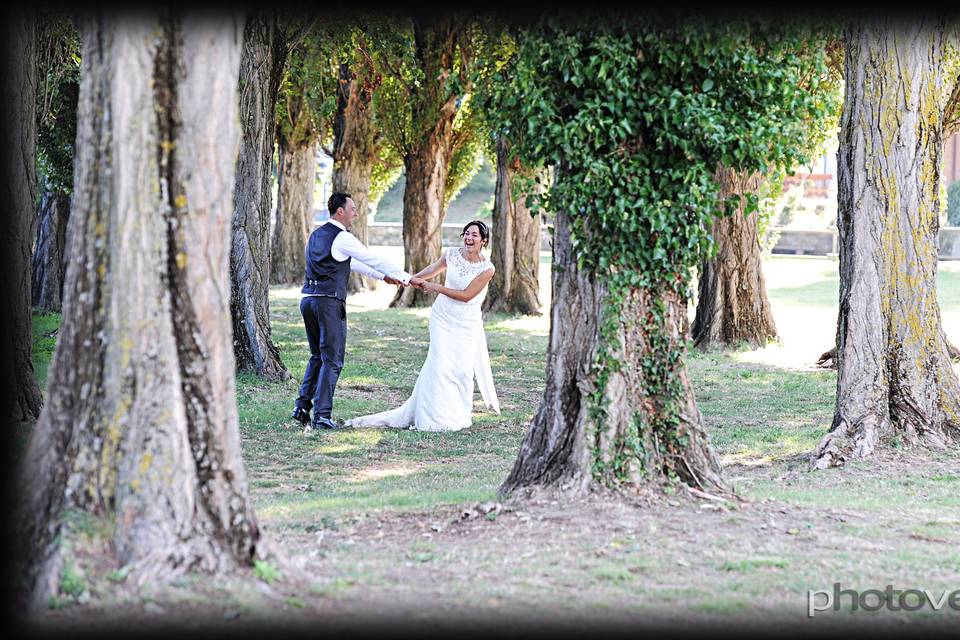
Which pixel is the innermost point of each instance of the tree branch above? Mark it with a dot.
(395, 72)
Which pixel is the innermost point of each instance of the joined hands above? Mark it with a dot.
(419, 283)
(415, 281)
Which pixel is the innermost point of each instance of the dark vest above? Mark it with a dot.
(325, 275)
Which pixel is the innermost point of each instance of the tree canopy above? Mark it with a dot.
(636, 117)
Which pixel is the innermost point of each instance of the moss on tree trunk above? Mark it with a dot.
(894, 376)
(141, 428)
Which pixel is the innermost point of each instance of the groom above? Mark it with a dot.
(332, 252)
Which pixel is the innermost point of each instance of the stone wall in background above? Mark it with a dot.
(813, 242)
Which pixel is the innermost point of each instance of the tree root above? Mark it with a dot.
(828, 359)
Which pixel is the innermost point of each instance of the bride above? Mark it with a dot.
(443, 395)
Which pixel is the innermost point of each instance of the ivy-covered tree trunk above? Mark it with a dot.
(141, 428)
(261, 68)
(297, 175)
(427, 162)
(894, 376)
(354, 153)
(18, 84)
(49, 257)
(626, 426)
(514, 246)
(733, 306)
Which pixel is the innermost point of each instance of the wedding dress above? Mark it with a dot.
(442, 397)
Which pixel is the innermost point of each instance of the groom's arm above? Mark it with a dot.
(365, 270)
(347, 245)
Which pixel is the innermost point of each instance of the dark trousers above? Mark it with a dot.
(325, 320)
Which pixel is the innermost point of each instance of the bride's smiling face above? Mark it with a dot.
(472, 239)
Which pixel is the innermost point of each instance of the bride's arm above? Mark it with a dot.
(466, 295)
(437, 267)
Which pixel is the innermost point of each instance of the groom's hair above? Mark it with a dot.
(337, 199)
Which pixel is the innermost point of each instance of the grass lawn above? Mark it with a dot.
(392, 524)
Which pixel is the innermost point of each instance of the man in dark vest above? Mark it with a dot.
(332, 252)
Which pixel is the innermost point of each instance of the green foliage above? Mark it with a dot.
(72, 580)
(750, 564)
(768, 197)
(265, 571)
(469, 150)
(384, 176)
(953, 204)
(307, 89)
(414, 102)
(311, 94)
(58, 90)
(119, 575)
(636, 117)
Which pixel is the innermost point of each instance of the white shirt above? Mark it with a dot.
(365, 262)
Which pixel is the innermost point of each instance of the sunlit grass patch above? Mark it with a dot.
(44, 324)
(376, 473)
(837, 488)
(724, 604)
(747, 565)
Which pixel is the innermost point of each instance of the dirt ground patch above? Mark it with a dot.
(591, 561)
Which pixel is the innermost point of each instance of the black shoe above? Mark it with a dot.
(301, 415)
(319, 422)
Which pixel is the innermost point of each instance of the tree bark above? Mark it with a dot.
(261, 69)
(568, 445)
(19, 85)
(733, 306)
(297, 171)
(894, 376)
(49, 256)
(354, 154)
(141, 428)
(427, 161)
(515, 246)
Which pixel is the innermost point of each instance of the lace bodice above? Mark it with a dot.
(460, 272)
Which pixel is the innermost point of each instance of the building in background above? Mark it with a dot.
(951, 159)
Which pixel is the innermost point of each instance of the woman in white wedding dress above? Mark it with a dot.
(442, 397)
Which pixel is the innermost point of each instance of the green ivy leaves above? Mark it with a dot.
(636, 118)
(640, 117)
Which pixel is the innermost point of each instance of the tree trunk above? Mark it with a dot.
(639, 425)
(141, 428)
(354, 153)
(894, 377)
(733, 306)
(297, 171)
(515, 246)
(19, 86)
(261, 68)
(427, 162)
(49, 257)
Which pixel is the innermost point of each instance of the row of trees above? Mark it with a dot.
(646, 131)
(357, 88)
(379, 96)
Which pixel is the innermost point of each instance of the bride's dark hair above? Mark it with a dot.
(481, 227)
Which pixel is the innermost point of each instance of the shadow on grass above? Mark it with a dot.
(298, 479)
(759, 414)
